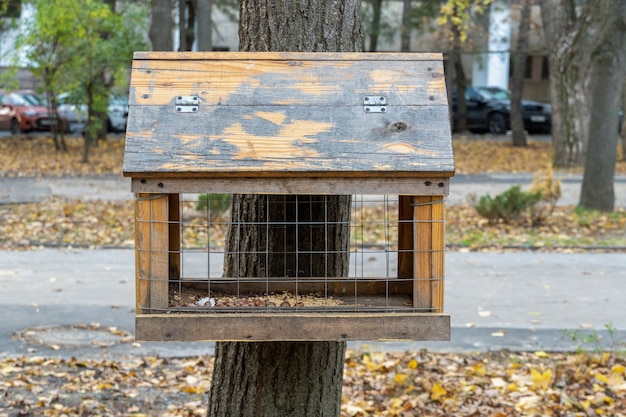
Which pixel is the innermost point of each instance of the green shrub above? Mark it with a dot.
(214, 203)
(508, 206)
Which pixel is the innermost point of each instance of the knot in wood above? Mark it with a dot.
(398, 127)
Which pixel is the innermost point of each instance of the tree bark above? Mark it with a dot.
(606, 74)
(519, 68)
(277, 379)
(288, 378)
(160, 26)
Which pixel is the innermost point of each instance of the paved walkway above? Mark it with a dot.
(31, 189)
(523, 301)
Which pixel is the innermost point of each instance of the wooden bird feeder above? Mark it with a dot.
(205, 126)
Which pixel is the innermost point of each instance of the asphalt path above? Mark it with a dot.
(116, 187)
(518, 301)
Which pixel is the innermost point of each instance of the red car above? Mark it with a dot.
(23, 111)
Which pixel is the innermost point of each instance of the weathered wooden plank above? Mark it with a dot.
(292, 327)
(406, 246)
(333, 286)
(396, 185)
(247, 141)
(303, 82)
(174, 235)
(152, 251)
(290, 56)
(438, 250)
(422, 273)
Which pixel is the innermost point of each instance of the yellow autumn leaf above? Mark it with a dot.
(601, 378)
(395, 403)
(541, 354)
(400, 379)
(618, 369)
(479, 369)
(413, 364)
(541, 380)
(194, 390)
(437, 392)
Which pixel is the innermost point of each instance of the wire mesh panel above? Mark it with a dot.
(277, 254)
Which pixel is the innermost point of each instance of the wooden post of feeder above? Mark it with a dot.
(152, 248)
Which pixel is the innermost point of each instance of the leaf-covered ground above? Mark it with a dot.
(79, 223)
(474, 154)
(496, 384)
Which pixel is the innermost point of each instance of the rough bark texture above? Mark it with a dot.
(277, 379)
(305, 236)
(161, 21)
(519, 68)
(292, 378)
(606, 74)
(300, 26)
(557, 17)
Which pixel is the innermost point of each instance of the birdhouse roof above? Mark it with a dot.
(279, 114)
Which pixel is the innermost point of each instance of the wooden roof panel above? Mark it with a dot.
(285, 116)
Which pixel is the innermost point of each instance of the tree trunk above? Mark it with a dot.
(277, 379)
(606, 74)
(182, 25)
(377, 6)
(205, 25)
(160, 25)
(519, 69)
(571, 39)
(289, 378)
(622, 128)
(405, 44)
(461, 87)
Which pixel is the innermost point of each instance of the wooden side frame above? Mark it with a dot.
(152, 251)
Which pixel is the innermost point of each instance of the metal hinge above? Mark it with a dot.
(374, 104)
(187, 104)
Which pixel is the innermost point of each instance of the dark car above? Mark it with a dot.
(23, 111)
(489, 108)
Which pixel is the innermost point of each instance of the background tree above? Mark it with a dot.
(289, 378)
(82, 47)
(160, 21)
(205, 25)
(519, 70)
(405, 33)
(457, 16)
(375, 27)
(623, 126)
(587, 61)
(46, 41)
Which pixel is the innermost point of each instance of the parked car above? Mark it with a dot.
(489, 108)
(76, 115)
(23, 111)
